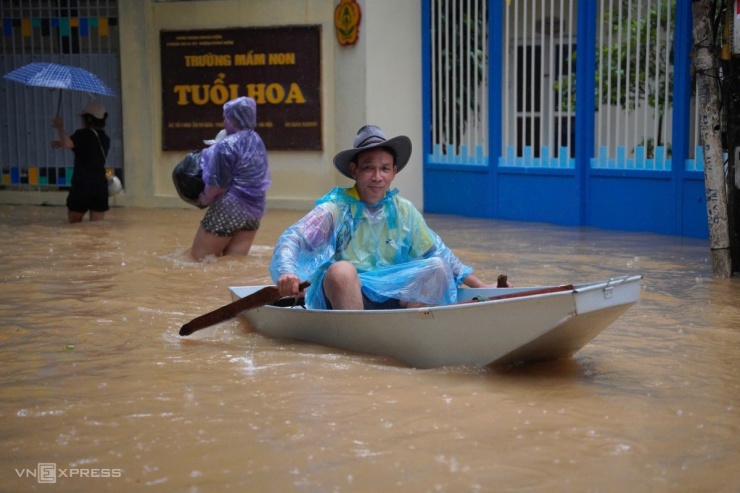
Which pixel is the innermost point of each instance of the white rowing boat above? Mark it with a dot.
(516, 325)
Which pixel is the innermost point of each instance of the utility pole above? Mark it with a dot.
(708, 107)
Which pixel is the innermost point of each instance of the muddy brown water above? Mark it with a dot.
(98, 387)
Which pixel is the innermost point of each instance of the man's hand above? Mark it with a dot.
(472, 281)
(288, 285)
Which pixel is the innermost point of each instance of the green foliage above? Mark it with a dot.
(626, 75)
(645, 75)
(649, 146)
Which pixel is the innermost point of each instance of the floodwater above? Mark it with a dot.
(96, 382)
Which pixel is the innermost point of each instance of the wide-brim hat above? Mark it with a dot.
(372, 137)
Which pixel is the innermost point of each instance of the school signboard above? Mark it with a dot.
(280, 67)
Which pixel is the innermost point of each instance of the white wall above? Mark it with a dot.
(378, 81)
(393, 81)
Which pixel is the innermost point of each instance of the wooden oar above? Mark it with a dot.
(259, 298)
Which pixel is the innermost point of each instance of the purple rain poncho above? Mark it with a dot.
(389, 243)
(237, 164)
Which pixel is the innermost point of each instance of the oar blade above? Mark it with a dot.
(259, 298)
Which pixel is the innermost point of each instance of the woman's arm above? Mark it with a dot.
(64, 141)
(209, 194)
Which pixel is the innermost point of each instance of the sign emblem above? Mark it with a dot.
(347, 17)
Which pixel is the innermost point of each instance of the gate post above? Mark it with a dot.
(683, 38)
(585, 105)
(496, 43)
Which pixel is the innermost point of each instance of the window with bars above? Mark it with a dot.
(459, 85)
(538, 114)
(544, 119)
(633, 83)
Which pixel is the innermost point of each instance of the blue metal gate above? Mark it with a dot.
(617, 150)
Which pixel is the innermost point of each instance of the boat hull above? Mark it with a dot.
(506, 331)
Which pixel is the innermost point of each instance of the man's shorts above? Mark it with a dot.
(368, 304)
(227, 215)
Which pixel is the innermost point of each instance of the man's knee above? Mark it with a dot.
(437, 269)
(342, 287)
(436, 263)
(340, 273)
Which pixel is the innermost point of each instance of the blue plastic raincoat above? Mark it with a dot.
(389, 243)
(237, 164)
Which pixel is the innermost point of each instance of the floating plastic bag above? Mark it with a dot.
(114, 186)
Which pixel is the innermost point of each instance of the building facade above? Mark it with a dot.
(508, 117)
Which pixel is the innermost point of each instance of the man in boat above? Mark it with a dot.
(366, 247)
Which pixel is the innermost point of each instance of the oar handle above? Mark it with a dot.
(523, 294)
(259, 298)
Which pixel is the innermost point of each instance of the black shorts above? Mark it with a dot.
(92, 198)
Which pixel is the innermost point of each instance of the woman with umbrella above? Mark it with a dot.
(90, 145)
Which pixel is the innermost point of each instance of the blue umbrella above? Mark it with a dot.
(56, 76)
